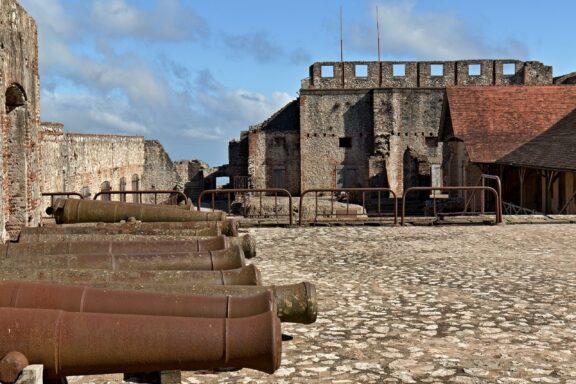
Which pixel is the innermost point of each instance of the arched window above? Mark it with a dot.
(135, 187)
(105, 187)
(122, 187)
(15, 97)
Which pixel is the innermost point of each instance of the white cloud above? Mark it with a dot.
(407, 33)
(118, 123)
(164, 20)
(93, 83)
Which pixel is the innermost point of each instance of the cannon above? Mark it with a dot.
(296, 303)
(181, 229)
(74, 343)
(68, 245)
(69, 298)
(224, 259)
(249, 275)
(68, 211)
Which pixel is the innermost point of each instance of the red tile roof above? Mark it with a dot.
(494, 121)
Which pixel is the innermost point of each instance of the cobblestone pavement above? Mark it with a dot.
(453, 304)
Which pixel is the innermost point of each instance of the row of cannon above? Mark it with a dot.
(129, 288)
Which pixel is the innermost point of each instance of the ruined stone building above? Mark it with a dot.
(371, 124)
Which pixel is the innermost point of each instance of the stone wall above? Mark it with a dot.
(406, 125)
(20, 115)
(274, 151)
(84, 163)
(159, 170)
(426, 74)
(336, 131)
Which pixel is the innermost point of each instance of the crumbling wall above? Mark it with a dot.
(20, 96)
(83, 163)
(159, 170)
(238, 157)
(274, 151)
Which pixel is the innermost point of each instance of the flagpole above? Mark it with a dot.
(342, 46)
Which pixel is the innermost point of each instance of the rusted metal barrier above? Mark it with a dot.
(175, 196)
(249, 275)
(221, 260)
(347, 191)
(498, 213)
(70, 298)
(52, 195)
(229, 192)
(67, 245)
(71, 343)
(71, 211)
(485, 177)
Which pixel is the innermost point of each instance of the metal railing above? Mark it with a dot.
(174, 195)
(260, 192)
(498, 212)
(483, 179)
(347, 191)
(52, 195)
(513, 209)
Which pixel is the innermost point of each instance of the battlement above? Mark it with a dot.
(425, 74)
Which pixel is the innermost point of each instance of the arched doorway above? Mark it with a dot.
(15, 160)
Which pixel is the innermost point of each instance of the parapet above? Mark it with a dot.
(425, 74)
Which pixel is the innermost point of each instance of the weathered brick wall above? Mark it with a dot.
(20, 116)
(82, 162)
(159, 170)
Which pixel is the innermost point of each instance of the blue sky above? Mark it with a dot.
(194, 73)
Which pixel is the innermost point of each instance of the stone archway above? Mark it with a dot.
(15, 159)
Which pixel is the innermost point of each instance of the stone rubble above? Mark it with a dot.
(451, 304)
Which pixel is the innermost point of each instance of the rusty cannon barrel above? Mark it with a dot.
(224, 259)
(67, 211)
(173, 229)
(72, 343)
(249, 275)
(17, 294)
(296, 303)
(67, 244)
